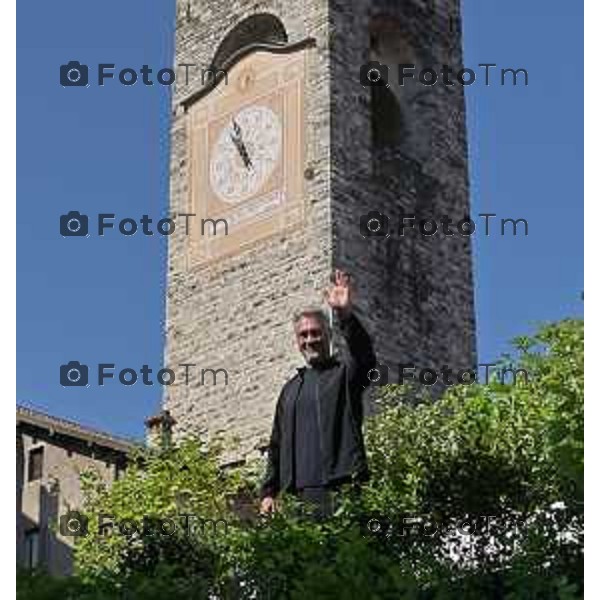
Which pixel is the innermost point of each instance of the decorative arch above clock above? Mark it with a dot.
(263, 28)
(230, 60)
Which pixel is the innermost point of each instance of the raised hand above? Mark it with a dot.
(339, 295)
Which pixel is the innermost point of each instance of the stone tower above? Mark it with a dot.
(290, 149)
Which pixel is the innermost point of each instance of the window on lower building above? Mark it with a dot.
(32, 548)
(36, 463)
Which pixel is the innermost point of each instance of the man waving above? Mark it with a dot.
(316, 441)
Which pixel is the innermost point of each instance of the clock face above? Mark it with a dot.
(247, 150)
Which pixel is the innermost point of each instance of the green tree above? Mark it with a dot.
(477, 494)
(138, 529)
(496, 471)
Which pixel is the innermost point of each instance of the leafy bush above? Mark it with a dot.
(503, 463)
(495, 473)
(125, 540)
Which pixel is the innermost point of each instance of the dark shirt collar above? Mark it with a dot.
(327, 364)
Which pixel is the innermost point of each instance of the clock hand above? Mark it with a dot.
(245, 156)
(236, 138)
(241, 148)
(237, 130)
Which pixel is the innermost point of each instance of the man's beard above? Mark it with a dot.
(315, 356)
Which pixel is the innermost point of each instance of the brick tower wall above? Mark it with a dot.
(415, 295)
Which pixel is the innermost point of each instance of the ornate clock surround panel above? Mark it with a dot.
(263, 102)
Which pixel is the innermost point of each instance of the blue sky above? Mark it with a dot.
(105, 149)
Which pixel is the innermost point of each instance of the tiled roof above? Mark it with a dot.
(66, 427)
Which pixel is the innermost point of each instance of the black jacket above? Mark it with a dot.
(339, 415)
